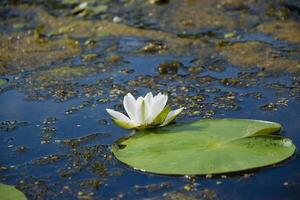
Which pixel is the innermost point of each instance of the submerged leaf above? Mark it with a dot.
(206, 147)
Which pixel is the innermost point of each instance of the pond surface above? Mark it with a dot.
(61, 66)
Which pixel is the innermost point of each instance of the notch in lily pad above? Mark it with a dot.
(212, 146)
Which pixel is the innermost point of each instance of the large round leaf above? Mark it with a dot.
(8, 192)
(205, 147)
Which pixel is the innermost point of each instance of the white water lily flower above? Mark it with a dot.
(145, 112)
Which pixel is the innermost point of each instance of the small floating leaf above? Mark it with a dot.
(230, 35)
(70, 1)
(103, 34)
(19, 26)
(210, 146)
(100, 9)
(8, 192)
(3, 81)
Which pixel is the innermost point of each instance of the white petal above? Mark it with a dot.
(149, 97)
(171, 116)
(118, 115)
(157, 96)
(158, 105)
(124, 124)
(148, 107)
(130, 106)
(139, 117)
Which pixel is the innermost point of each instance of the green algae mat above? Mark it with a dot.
(8, 192)
(211, 146)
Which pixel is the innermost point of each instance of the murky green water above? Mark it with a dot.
(61, 66)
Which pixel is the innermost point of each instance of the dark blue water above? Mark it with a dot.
(276, 182)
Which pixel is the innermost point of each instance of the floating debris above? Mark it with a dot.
(169, 67)
(48, 159)
(21, 149)
(114, 58)
(47, 134)
(233, 82)
(154, 47)
(158, 1)
(85, 139)
(256, 95)
(50, 120)
(11, 125)
(274, 106)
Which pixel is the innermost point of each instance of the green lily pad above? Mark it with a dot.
(210, 146)
(8, 192)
